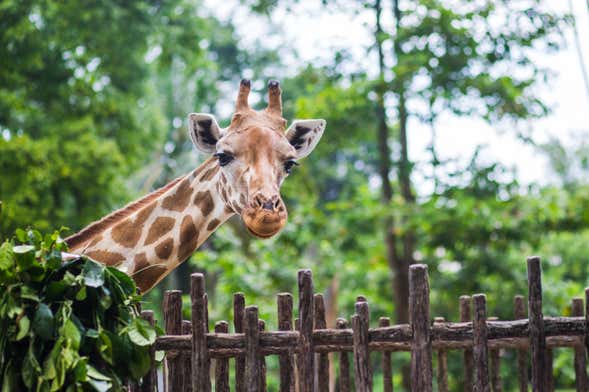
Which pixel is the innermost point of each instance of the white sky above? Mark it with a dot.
(315, 32)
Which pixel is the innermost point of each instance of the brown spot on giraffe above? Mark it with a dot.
(165, 248)
(205, 202)
(209, 174)
(95, 240)
(145, 213)
(213, 224)
(188, 238)
(127, 233)
(180, 199)
(242, 200)
(145, 274)
(159, 228)
(106, 257)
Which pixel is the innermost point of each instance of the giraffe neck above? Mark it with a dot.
(152, 240)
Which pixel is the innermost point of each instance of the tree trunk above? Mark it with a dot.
(408, 238)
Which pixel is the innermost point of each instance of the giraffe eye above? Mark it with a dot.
(223, 158)
(288, 165)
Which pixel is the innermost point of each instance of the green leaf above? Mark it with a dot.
(93, 274)
(10, 379)
(31, 368)
(71, 332)
(25, 256)
(141, 333)
(43, 322)
(141, 362)
(125, 282)
(95, 374)
(23, 327)
(81, 294)
(99, 386)
(6, 256)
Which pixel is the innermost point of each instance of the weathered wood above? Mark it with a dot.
(587, 320)
(322, 359)
(149, 382)
(362, 371)
(238, 316)
(222, 364)
(253, 366)
(297, 325)
(421, 347)
(306, 356)
(387, 374)
(261, 328)
(581, 381)
(467, 357)
(186, 359)
(522, 354)
(566, 331)
(173, 369)
(200, 357)
(286, 361)
(480, 353)
(442, 364)
(344, 362)
(536, 325)
(495, 366)
(549, 370)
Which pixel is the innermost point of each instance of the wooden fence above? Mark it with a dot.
(303, 351)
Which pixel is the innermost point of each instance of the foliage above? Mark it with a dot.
(67, 324)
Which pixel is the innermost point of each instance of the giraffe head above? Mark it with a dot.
(255, 154)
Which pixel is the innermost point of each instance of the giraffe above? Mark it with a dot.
(250, 159)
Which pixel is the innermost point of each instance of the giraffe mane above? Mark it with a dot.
(97, 227)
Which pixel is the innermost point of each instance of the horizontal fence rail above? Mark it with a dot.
(198, 359)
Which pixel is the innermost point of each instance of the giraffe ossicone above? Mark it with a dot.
(250, 159)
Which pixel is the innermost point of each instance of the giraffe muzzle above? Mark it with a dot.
(265, 217)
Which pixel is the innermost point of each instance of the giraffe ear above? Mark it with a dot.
(304, 135)
(204, 131)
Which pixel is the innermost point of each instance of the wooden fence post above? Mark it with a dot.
(421, 346)
(495, 365)
(286, 361)
(442, 363)
(306, 360)
(238, 317)
(150, 379)
(186, 358)
(253, 368)
(587, 320)
(536, 325)
(222, 364)
(344, 361)
(387, 373)
(262, 328)
(362, 371)
(519, 311)
(172, 305)
(467, 357)
(322, 374)
(201, 380)
(580, 359)
(480, 351)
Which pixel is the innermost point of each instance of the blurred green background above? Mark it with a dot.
(437, 111)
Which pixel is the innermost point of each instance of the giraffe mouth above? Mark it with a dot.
(264, 224)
